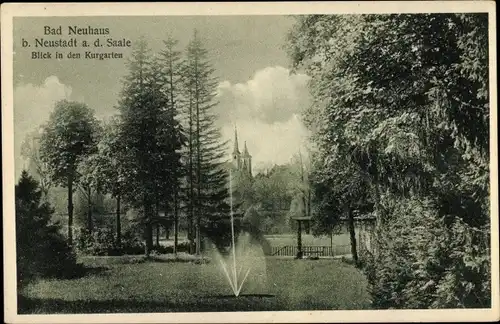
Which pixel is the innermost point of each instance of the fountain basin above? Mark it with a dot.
(244, 296)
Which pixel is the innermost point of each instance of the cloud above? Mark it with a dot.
(272, 95)
(266, 111)
(32, 107)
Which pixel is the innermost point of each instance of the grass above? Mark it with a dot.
(122, 285)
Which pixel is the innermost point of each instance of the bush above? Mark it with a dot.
(131, 244)
(102, 242)
(41, 249)
(99, 242)
(181, 247)
(422, 262)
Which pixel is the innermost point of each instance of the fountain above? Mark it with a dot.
(245, 257)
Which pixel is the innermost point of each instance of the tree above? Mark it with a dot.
(89, 177)
(243, 191)
(112, 168)
(151, 136)
(41, 250)
(103, 172)
(171, 69)
(340, 191)
(139, 121)
(30, 150)
(403, 101)
(207, 178)
(273, 193)
(67, 138)
(300, 184)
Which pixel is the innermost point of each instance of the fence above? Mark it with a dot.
(319, 251)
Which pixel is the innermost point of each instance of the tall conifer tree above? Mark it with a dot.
(170, 63)
(207, 178)
(140, 120)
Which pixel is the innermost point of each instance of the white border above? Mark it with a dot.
(8, 11)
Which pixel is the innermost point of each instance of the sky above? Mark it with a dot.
(256, 91)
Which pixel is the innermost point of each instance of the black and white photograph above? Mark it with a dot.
(254, 161)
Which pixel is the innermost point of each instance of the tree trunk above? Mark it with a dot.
(299, 239)
(156, 216)
(309, 202)
(89, 209)
(331, 241)
(149, 238)
(198, 237)
(118, 223)
(158, 235)
(176, 221)
(148, 229)
(352, 234)
(70, 210)
(304, 207)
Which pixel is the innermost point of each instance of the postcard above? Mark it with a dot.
(250, 162)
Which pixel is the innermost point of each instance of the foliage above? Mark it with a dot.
(30, 150)
(105, 171)
(144, 132)
(161, 154)
(274, 191)
(67, 138)
(207, 179)
(102, 242)
(171, 67)
(253, 222)
(401, 103)
(41, 250)
(98, 242)
(436, 265)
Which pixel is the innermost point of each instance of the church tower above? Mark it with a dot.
(236, 152)
(241, 162)
(247, 161)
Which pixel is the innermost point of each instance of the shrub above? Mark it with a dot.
(102, 242)
(41, 249)
(420, 261)
(98, 242)
(181, 248)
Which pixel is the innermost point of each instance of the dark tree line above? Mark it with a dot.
(400, 121)
(160, 153)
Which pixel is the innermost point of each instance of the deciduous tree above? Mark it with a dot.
(402, 100)
(67, 138)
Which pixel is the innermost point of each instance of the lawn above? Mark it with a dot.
(151, 286)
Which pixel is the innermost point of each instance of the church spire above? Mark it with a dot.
(245, 150)
(236, 150)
